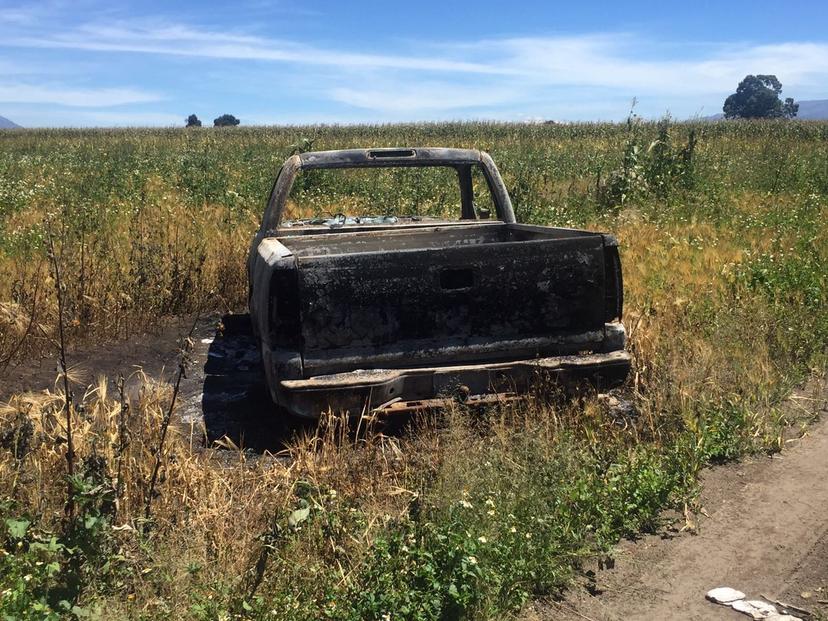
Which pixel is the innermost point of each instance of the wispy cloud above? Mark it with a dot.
(32, 116)
(31, 13)
(180, 40)
(131, 119)
(616, 61)
(401, 97)
(606, 60)
(76, 97)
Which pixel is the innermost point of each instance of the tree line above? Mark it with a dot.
(225, 120)
(756, 97)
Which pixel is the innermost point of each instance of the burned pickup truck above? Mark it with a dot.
(395, 304)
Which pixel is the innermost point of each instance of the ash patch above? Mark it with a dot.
(225, 389)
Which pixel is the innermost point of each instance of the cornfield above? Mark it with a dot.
(725, 255)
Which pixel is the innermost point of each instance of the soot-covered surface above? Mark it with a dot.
(225, 388)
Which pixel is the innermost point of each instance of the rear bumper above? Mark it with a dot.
(401, 390)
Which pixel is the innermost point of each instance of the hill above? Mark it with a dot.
(7, 124)
(813, 110)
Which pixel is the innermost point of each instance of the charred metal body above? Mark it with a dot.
(393, 313)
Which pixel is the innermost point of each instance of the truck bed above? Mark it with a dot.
(420, 296)
(445, 235)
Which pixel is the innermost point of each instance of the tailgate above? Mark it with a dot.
(394, 308)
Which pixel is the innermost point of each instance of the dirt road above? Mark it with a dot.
(766, 534)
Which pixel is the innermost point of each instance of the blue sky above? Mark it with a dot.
(88, 62)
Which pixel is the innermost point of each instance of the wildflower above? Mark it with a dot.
(513, 530)
(465, 504)
(489, 502)
(472, 560)
(482, 539)
(490, 512)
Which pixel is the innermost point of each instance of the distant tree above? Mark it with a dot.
(226, 120)
(757, 97)
(789, 108)
(192, 121)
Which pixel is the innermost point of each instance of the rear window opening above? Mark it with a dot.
(377, 195)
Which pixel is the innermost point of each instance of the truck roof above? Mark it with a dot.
(396, 156)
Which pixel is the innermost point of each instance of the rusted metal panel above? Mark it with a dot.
(367, 391)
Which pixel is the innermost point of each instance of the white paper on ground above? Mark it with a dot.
(724, 595)
(755, 608)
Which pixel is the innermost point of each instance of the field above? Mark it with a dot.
(106, 232)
